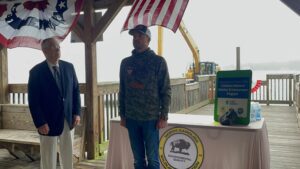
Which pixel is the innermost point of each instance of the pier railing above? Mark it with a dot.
(183, 96)
(297, 96)
(276, 89)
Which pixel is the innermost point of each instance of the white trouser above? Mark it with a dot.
(48, 149)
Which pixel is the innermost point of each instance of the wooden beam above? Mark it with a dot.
(79, 32)
(103, 4)
(107, 18)
(92, 126)
(89, 35)
(4, 95)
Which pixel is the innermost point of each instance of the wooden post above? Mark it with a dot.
(290, 91)
(296, 80)
(101, 117)
(4, 95)
(211, 89)
(238, 59)
(92, 129)
(268, 92)
(160, 40)
(298, 101)
(186, 97)
(89, 34)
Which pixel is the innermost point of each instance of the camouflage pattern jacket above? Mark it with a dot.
(145, 91)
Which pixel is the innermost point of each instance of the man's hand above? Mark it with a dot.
(123, 123)
(44, 129)
(162, 124)
(76, 120)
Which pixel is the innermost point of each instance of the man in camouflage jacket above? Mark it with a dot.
(144, 98)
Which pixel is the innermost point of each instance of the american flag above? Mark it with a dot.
(166, 13)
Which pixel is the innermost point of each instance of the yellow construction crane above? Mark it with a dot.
(198, 68)
(195, 51)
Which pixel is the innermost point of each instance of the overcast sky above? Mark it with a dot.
(266, 30)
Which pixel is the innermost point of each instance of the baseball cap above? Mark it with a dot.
(142, 29)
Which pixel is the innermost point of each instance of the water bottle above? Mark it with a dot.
(252, 112)
(258, 112)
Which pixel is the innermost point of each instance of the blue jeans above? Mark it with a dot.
(144, 140)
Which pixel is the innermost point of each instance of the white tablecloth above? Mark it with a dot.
(225, 147)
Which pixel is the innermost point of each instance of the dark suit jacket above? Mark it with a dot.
(46, 103)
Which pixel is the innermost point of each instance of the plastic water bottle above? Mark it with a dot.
(258, 112)
(252, 112)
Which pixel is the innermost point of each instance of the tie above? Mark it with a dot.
(57, 77)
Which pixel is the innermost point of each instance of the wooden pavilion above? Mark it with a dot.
(88, 32)
(185, 97)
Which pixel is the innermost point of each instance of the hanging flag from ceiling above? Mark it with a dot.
(25, 23)
(166, 13)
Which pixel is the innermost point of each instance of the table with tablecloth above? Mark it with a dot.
(223, 147)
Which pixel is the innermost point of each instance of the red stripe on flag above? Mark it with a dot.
(151, 13)
(180, 15)
(129, 15)
(147, 11)
(157, 11)
(136, 15)
(40, 5)
(169, 12)
(3, 8)
(78, 6)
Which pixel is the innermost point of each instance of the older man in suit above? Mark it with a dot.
(54, 102)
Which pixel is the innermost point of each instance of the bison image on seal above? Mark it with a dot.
(180, 145)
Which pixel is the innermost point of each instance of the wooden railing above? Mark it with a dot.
(108, 102)
(277, 89)
(280, 89)
(297, 96)
(261, 94)
(201, 91)
(178, 93)
(17, 93)
(183, 97)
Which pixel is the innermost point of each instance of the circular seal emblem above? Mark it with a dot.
(181, 148)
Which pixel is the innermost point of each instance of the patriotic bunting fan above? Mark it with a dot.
(25, 23)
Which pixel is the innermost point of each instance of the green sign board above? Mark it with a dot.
(233, 96)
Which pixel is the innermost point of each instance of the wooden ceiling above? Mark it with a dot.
(103, 4)
(98, 4)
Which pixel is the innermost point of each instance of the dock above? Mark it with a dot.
(283, 132)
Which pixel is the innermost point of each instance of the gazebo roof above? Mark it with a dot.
(98, 4)
(103, 4)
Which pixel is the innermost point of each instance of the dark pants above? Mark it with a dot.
(144, 140)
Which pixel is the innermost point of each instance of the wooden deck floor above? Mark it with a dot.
(284, 135)
(284, 138)
(9, 162)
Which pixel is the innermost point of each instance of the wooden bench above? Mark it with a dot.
(18, 133)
